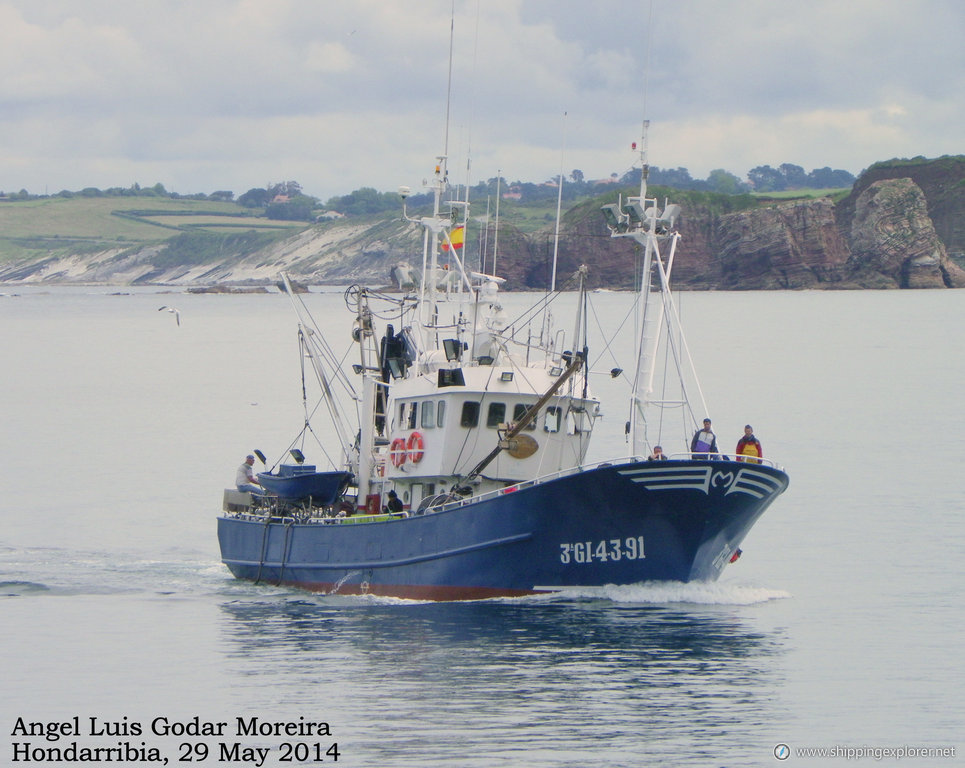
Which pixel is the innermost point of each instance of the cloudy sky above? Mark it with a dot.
(205, 95)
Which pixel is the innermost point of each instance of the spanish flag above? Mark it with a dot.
(456, 237)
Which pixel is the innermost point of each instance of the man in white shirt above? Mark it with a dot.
(245, 478)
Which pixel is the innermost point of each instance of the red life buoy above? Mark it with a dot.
(397, 452)
(416, 447)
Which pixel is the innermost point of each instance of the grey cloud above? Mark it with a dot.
(230, 93)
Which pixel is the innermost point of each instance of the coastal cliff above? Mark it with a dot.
(893, 238)
(901, 226)
(891, 231)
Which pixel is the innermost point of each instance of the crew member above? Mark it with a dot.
(657, 455)
(705, 441)
(394, 503)
(245, 479)
(749, 447)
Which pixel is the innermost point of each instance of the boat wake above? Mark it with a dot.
(643, 593)
(670, 592)
(21, 588)
(58, 572)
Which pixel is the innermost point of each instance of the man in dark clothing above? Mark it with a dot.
(395, 503)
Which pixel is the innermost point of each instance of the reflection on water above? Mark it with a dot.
(658, 673)
(557, 677)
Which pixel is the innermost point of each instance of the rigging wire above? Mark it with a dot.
(609, 342)
(529, 314)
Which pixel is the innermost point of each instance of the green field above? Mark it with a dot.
(57, 224)
(799, 194)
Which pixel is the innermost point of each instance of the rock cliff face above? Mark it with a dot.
(793, 245)
(892, 231)
(893, 236)
(942, 182)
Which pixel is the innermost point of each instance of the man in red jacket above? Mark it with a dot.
(749, 447)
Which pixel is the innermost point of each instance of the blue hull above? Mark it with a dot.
(612, 524)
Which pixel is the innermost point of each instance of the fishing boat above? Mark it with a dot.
(463, 473)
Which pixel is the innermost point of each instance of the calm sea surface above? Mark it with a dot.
(841, 628)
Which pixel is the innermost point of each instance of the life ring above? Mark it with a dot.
(416, 447)
(397, 452)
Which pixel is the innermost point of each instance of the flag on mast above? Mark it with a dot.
(455, 239)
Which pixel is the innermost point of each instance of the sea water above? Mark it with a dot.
(840, 629)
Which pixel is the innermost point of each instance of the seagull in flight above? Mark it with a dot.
(177, 315)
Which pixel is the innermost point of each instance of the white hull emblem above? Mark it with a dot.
(703, 478)
(724, 479)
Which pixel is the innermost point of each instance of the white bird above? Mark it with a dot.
(177, 315)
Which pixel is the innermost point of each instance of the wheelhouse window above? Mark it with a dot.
(470, 414)
(428, 414)
(496, 414)
(451, 377)
(519, 410)
(413, 411)
(441, 413)
(552, 419)
(580, 419)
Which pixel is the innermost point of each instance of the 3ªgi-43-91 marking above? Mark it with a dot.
(630, 548)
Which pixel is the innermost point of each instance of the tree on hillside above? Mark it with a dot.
(678, 178)
(157, 190)
(767, 179)
(489, 187)
(794, 174)
(286, 188)
(222, 196)
(254, 198)
(825, 178)
(298, 208)
(725, 182)
(364, 201)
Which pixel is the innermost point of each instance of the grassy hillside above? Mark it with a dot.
(86, 224)
(56, 225)
(803, 194)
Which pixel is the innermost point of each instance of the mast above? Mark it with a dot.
(559, 207)
(499, 178)
(641, 219)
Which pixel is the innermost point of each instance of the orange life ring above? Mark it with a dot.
(397, 452)
(416, 447)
